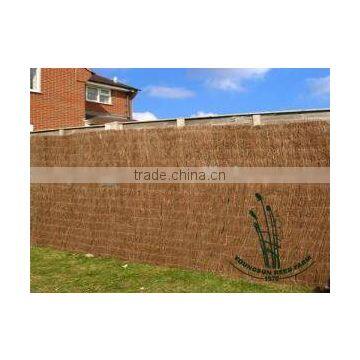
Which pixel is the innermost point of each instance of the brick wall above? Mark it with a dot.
(61, 101)
(120, 104)
(199, 226)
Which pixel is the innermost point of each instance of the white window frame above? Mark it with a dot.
(37, 88)
(98, 88)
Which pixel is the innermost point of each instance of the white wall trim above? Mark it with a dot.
(90, 83)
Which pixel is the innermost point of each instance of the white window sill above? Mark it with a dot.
(98, 102)
(36, 91)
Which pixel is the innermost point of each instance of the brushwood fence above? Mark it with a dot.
(197, 226)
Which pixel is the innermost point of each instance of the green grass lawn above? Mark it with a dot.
(64, 272)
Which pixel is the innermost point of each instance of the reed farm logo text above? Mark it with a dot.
(269, 242)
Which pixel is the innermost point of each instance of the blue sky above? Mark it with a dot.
(169, 93)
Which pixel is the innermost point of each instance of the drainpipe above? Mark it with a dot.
(130, 108)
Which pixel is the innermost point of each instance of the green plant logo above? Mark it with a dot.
(268, 237)
(266, 228)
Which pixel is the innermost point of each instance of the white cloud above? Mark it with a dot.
(230, 79)
(203, 114)
(144, 116)
(319, 86)
(169, 92)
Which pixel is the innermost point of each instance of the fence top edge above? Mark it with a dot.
(280, 112)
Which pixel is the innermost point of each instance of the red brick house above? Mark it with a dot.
(75, 97)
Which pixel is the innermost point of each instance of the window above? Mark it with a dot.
(91, 94)
(105, 96)
(35, 79)
(99, 95)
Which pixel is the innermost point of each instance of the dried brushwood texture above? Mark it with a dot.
(305, 144)
(198, 226)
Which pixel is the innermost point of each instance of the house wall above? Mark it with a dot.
(120, 104)
(61, 101)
